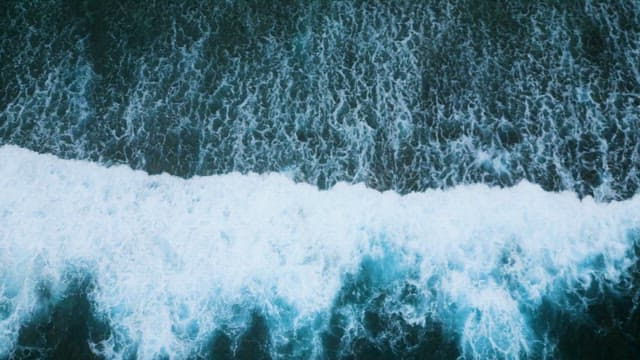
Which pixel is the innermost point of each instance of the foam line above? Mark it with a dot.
(173, 259)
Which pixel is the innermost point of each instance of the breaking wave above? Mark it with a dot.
(319, 179)
(116, 263)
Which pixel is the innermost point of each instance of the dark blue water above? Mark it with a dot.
(402, 95)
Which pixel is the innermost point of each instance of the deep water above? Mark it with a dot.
(244, 179)
(401, 95)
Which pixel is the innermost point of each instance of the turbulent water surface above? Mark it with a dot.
(319, 179)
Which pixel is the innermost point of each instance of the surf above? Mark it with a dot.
(165, 265)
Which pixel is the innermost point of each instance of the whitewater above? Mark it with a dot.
(311, 179)
(173, 262)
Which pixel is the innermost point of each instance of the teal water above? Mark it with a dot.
(407, 96)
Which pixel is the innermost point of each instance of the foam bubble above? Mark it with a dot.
(173, 260)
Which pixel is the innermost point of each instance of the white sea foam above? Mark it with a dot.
(171, 257)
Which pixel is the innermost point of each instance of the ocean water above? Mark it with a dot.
(319, 179)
